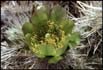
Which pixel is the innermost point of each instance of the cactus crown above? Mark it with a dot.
(50, 33)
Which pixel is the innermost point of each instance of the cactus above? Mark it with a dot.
(50, 34)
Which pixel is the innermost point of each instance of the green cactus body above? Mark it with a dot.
(50, 35)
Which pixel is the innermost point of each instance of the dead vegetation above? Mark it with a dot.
(88, 20)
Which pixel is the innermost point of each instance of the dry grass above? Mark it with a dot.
(87, 55)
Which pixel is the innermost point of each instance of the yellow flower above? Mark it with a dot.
(50, 41)
(33, 49)
(60, 45)
(36, 45)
